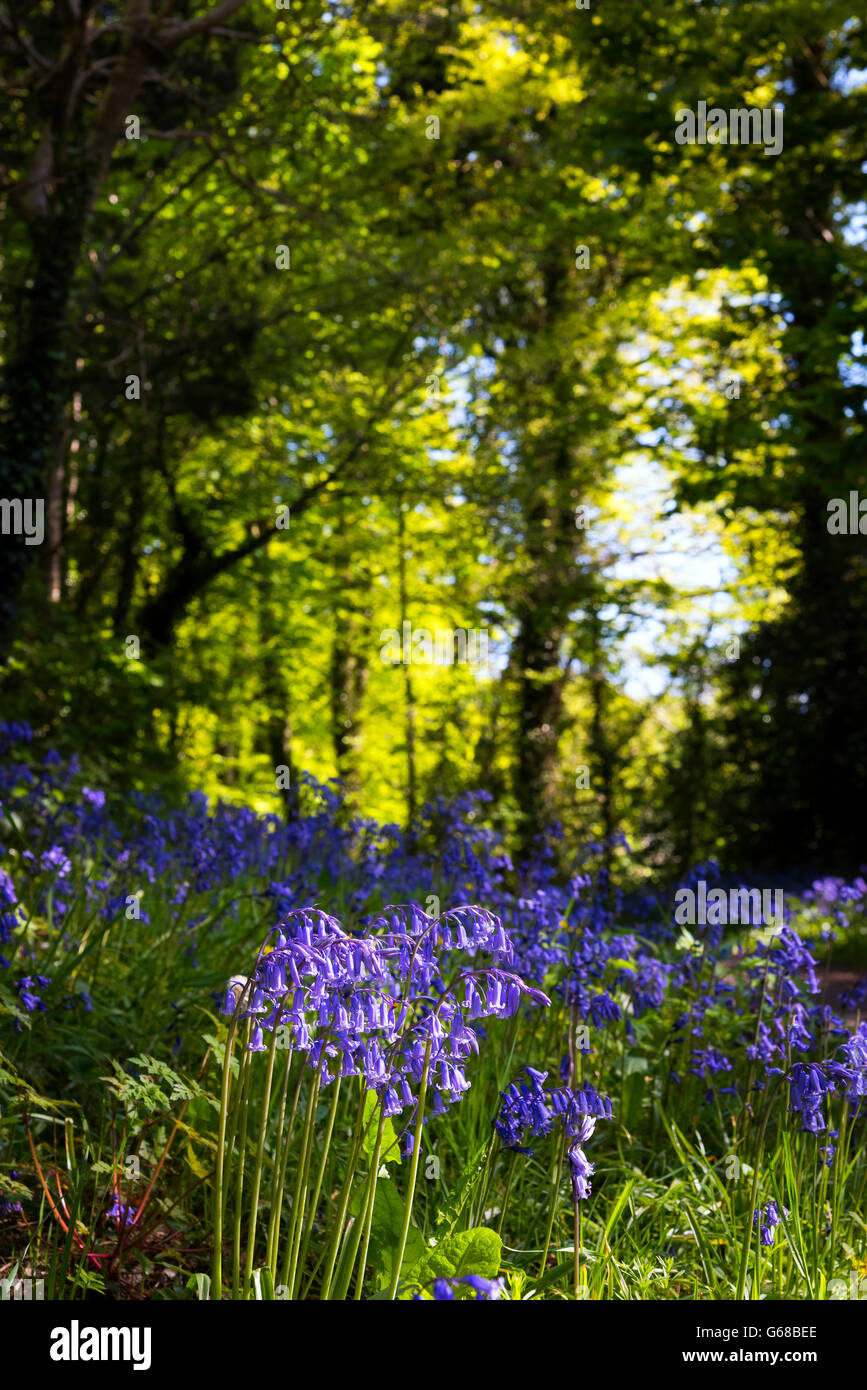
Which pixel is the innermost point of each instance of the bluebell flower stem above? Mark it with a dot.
(555, 1195)
(317, 1188)
(745, 1258)
(354, 1232)
(757, 1033)
(344, 1199)
(507, 1193)
(281, 1160)
(413, 1175)
(219, 1176)
(299, 1202)
(244, 1083)
(818, 1212)
(839, 1162)
(577, 1254)
(371, 1203)
(257, 1171)
(479, 1214)
(237, 1092)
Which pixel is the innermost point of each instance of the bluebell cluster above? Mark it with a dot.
(378, 1006)
(122, 1213)
(529, 1108)
(767, 1220)
(483, 1290)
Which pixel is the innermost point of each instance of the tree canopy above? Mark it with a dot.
(330, 325)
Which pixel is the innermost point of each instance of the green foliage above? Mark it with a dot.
(389, 1145)
(385, 1233)
(465, 1252)
(431, 388)
(464, 1191)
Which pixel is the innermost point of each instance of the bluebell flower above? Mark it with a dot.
(769, 1220)
(124, 1214)
(485, 1290)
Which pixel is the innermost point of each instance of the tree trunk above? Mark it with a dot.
(549, 591)
(275, 689)
(349, 664)
(409, 694)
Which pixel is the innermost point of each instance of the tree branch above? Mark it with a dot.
(184, 29)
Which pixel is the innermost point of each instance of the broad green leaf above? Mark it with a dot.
(467, 1252)
(385, 1231)
(390, 1148)
(462, 1192)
